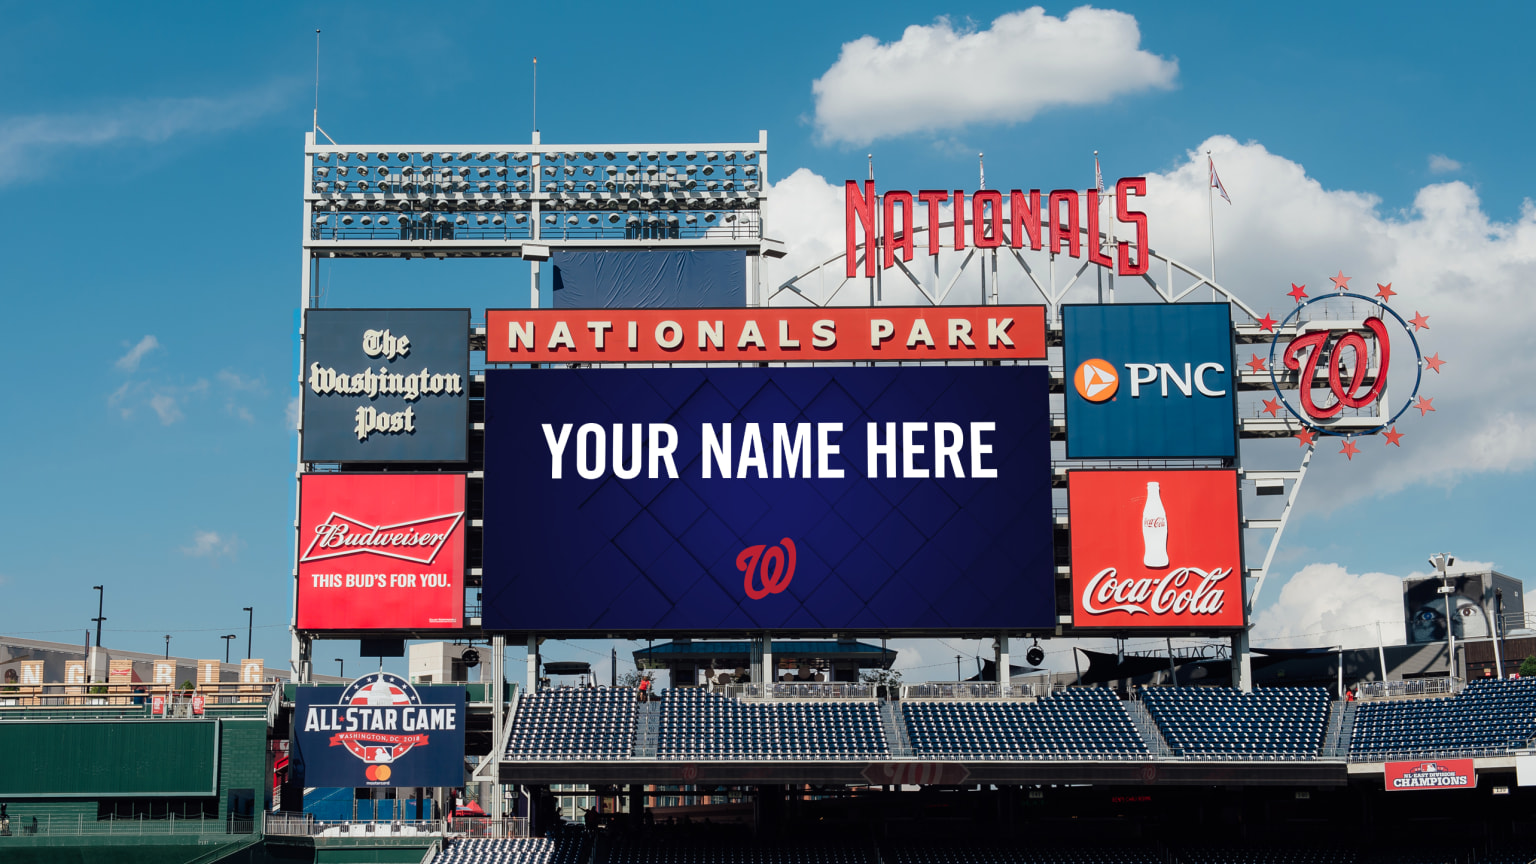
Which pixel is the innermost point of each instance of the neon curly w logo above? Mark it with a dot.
(778, 568)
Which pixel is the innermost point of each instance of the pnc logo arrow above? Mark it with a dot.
(1096, 380)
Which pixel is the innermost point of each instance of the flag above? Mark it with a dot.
(1098, 174)
(1216, 181)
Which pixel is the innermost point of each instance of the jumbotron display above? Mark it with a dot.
(820, 499)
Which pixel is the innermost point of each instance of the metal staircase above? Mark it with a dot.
(896, 740)
(1341, 728)
(647, 728)
(1157, 745)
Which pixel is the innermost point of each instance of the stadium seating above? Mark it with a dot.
(696, 724)
(1079, 722)
(573, 724)
(735, 853)
(1287, 722)
(524, 851)
(894, 853)
(1487, 715)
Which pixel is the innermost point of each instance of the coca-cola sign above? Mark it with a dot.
(1155, 549)
(381, 551)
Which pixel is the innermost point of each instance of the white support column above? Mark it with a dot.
(533, 663)
(498, 699)
(300, 649)
(770, 670)
(1004, 673)
(1242, 663)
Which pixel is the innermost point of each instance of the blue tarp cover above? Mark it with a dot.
(645, 279)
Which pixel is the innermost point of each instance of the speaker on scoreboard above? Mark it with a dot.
(1035, 655)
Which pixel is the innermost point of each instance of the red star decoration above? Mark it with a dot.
(1393, 436)
(1350, 449)
(1297, 291)
(1419, 321)
(1307, 437)
(1424, 405)
(1341, 282)
(1385, 292)
(1255, 364)
(1266, 323)
(1272, 407)
(1434, 362)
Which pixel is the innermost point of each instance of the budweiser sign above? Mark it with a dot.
(381, 551)
(1155, 549)
(342, 535)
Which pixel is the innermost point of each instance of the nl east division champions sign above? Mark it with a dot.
(380, 730)
(1149, 381)
(1437, 774)
(381, 551)
(806, 498)
(1155, 549)
(765, 334)
(386, 385)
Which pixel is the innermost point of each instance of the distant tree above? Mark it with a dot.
(881, 677)
(630, 678)
(1528, 667)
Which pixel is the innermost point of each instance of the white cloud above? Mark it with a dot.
(291, 415)
(164, 398)
(233, 384)
(1439, 163)
(27, 142)
(165, 406)
(212, 544)
(938, 77)
(130, 362)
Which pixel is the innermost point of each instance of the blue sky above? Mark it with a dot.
(149, 167)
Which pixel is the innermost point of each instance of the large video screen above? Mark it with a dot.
(804, 499)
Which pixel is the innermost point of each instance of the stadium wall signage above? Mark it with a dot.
(380, 730)
(1149, 381)
(988, 219)
(805, 499)
(386, 385)
(1155, 549)
(1436, 774)
(762, 334)
(381, 551)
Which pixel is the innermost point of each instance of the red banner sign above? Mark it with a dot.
(198, 701)
(157, 705)
(381, 551)
(1436, 774)
(765, 334)
(1155, 549)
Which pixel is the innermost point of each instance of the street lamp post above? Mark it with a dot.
(101, 597)
(250, 619)
(341, 668)
(226, 645)
(1442, 561)
(167, 646)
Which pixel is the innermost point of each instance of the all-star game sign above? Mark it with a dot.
(1331, 359)
(380, 730)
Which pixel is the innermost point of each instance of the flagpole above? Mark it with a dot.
(1210, 210)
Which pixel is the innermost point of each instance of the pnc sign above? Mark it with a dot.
(1149, 381)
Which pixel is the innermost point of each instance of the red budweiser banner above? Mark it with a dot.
(765, 334)
(381, 551)
(1436, 774)
(1155, 549)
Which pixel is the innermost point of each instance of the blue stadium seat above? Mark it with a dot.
(1275, 722)
(1487, 715)
(1079, 722)
(697, 724)
(574, 724)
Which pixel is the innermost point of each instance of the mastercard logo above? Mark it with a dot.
(379, 773)
(1096, 380)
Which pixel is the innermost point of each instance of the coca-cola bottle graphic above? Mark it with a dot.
(1154, 530)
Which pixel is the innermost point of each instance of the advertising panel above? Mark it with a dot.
(1149, 381)
(827, 499)
(1424, 608)
(759, 334)
(1155, 549)
(1437, 774)
(386, 385)
(380, 730)
(381, 551)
